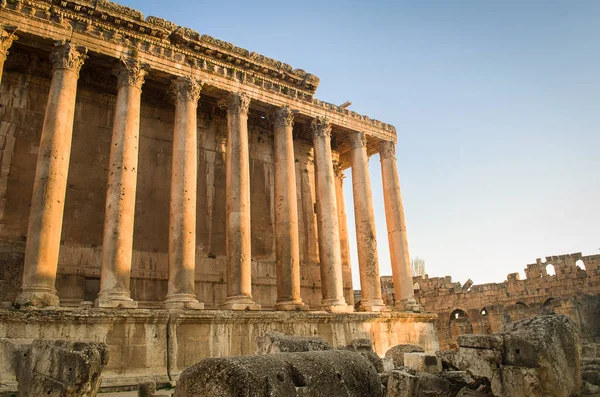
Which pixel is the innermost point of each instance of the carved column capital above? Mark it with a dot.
(387, 149)
(185, 89)
(131, 72)
(357, 140)
(282, 116)
(321, 127)
(337, 169)
(6, 40)
(67, 55)
(235, 102)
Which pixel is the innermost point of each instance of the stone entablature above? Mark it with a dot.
(468, 308)
(117, 31)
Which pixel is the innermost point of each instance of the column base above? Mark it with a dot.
(408, 305)
(373, 305)
(182, 302)
(240, 302)
(112, 299)
(337, 305)
(291, 305)
(38, 297)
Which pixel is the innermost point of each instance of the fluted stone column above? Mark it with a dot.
(119, 215)
(364, 216)
(327, 221)
(6, 40)
(185, 92)
(50, 182)
(396, 225)
(344, 241)
(237, 245)
(286, 214)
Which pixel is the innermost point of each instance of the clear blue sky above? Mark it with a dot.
(496, 104)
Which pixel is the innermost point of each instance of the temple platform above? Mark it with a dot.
(159, 344)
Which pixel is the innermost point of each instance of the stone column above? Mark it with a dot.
(119, 215)
(396, 225)
(344, 241)
(185, 92)
(364, 216)
(286, 214)
(237, 213)
(50, 182)
(332, 287)
(6, 40)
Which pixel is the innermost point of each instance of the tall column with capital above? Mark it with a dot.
(119, 215)
(332, 287)
(344, 241)
(286, 213)
(6, 40)
(396, 225)
(50, 182)
(364, 216)
(185, 92)
(237, 213)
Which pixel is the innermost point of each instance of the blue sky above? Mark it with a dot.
(496, 104)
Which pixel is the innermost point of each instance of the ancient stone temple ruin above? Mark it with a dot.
(147, 167)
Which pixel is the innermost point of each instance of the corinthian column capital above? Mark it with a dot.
(235, 102)
(338, 170)
(185, 89)
(66, 55)
(387, 149)
(357, 140)
(321, 127)
(6, 40)
(283, 116)
(131, 72)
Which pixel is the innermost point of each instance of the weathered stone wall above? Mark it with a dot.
(573, 290)
(23, 96)
(158, 345)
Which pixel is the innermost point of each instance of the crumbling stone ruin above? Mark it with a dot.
(564, 284)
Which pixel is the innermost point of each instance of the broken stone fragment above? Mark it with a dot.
(277, 342)
(423, 362)
(402, 384)
(396, 353)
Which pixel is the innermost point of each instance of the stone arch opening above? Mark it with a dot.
(459, 324)
(521, 305)
(580, 264)
(416, 286)
(458, 314)
(550, 270)
(484, 312)
(548, 302)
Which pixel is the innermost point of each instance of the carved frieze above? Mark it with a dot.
(321, 127)
(185, 89)
(66, 55)
(131, 72)
(235, 102)
(283, 116)
(387, 149)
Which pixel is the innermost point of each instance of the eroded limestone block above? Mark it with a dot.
(434, 386)
(317, 374)
(277, 342)
(402, 384)
(481, 341)
(396, 353)
(423, 362)
(62, 369)
(364, 346)
(11, 354)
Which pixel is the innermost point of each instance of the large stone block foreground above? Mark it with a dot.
(158, 345)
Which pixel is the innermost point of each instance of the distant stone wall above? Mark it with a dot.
(573, 289)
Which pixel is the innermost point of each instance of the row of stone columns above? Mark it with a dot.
(45, 222)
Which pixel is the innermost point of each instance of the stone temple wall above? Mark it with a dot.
(23, 96)
(572, 288)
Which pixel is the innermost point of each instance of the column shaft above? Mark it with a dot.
(344, 240)
(396, 225)
(364, 216)
(286, 214)
(237, 245)
(327, 220)
(119, 215)
(6, 40)
(50, 182)
(182, 219)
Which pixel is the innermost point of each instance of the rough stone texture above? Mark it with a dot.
(396, 353)
(433, 386)
(322, 373)
(402, 384)
(147, 389)
(140, 345)
(364, 346)
(62, 368)
(423, 362)
(276, 342)
(574, 290)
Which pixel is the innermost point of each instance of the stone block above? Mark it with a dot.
(396, 353)
(431, 385)
(423, 362)
(277, 342)
(402, 384)
(481, 341)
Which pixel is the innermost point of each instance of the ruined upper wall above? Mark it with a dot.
(117, 31)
